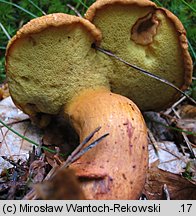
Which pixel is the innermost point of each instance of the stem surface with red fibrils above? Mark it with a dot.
(116, 168)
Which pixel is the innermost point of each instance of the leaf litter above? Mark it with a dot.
(172, 161)
(12, 146)
(170, 164)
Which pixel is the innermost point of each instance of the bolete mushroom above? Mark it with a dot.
(52, 68)
(147, 36)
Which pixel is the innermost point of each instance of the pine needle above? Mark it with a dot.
(82, 3)
(25, 138)
(19, 7)
(188, 5)
(36, 6)
(5, 31)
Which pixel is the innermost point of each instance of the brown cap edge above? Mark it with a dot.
(54, 20)
(100, 4)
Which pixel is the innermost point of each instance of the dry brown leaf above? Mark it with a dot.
(166, 165)
(63, 186)
(57, 133)
(37, 171)
(179, 188)
(4, 91)
(188, 111)
(156, 124)
(188, 121)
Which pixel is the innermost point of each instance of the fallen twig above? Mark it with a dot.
(145, 72)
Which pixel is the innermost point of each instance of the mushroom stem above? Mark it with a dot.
(116, 168)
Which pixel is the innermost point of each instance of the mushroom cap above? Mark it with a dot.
(50, 59)
(147, 36)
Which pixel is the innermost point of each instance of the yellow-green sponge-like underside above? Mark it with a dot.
(51, 59)
(47, 68)
(149, 37)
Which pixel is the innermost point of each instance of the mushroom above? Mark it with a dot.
(53, 69)
(147, 36)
